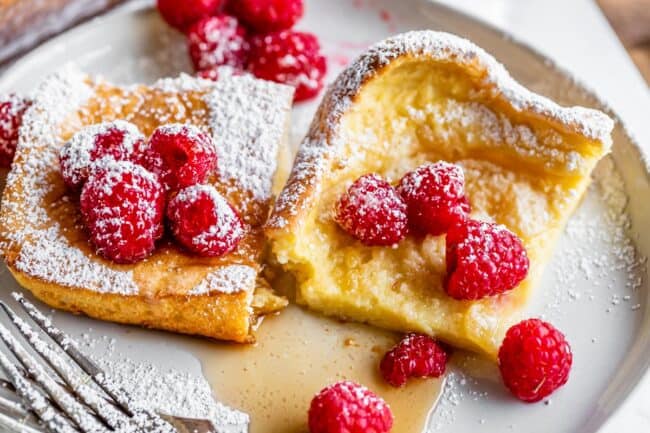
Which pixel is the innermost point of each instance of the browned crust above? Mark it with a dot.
(320, 144)
(214, 315)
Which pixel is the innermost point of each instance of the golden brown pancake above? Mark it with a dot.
(416, 98)
(48, 251)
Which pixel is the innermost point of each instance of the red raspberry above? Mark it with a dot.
(122, 206)
(535, 359)
(292, 58)
(435, 196)
(181, 155)
(181, 14)
(204, 222)
(372, 212)
(265, 16)
(218, 41)
(415, 356)
(219, 72)
(12, 109)
(346, 407)
(119, 140)
(483, 259)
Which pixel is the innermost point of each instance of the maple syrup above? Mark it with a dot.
(297, 354)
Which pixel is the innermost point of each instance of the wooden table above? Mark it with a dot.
(631, 20)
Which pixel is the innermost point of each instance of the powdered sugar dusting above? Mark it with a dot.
(182, 83)
(598, 252)
(229, 279)
(43, 257)
(180, 128)
(43, 250)
(248, 121)
(173, 392)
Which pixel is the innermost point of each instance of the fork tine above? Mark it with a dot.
(150, 421)
(13, 408)
(14, 416)
(15, 424)
(68, 404)
(70, 347)
(34, 399)
(107, 412)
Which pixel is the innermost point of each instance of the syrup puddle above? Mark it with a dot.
(298, 354)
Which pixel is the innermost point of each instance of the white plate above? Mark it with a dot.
(595, 288)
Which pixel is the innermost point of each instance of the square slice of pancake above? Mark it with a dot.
(48, 251)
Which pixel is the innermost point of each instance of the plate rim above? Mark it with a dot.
(642, 151)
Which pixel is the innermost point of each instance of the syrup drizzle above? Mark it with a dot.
(297, 354)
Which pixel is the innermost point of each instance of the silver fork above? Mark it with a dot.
(63, 399)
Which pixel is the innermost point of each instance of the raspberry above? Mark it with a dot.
(346, 407)
(122, 206)
(217, 41)
(181, 155)
(181, 14)
(483, 259)
(119, 140)
(372, 212)
(12, 109)
(215, 74)
(266, 16)
(415, 356)
(435, 197)
(204, 222)
(535, 359)
(292, 58)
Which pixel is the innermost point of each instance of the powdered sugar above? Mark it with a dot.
(173, 392)
(229, 279)
(248, 122)
(50, 257)
(180, 128)
(598, 252)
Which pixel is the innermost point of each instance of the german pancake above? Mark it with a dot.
(47, 249)
(417, 98)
